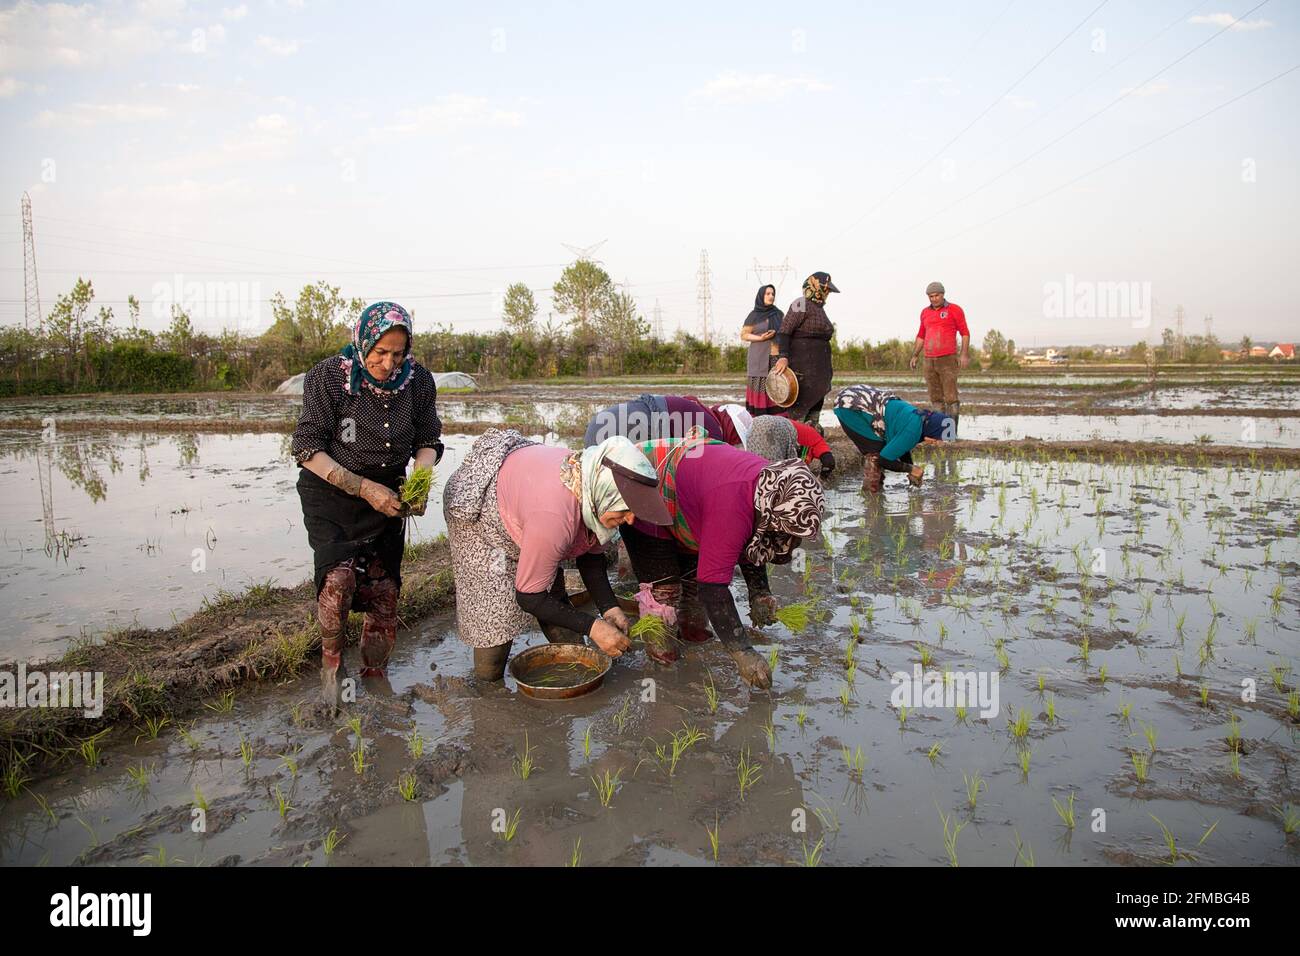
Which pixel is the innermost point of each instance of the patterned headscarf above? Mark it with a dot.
(774, 438)
(788, 501)
(815, 289)
(375, 320)
(583, 474)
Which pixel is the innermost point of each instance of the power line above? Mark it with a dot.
(1096, 169)
(31, 288)
(984, 112)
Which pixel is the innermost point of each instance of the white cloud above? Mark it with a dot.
(733, 86)
(59, 35)
(1226, 19)
(271, 123)
(81, 115)
(234, 13)
(451, 112)
(278, 47)
(1021, 102)
(9, 86)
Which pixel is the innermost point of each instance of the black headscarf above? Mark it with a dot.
(767, 316)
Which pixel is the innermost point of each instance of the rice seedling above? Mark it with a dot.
(1020, 726)
(960, 714)
(152, 727)
(974, 784)
(586, 743)
(713, 835)
(1041, 685)
(358, 758)
(1234, 763)
(1290, 818)
(933, 752)
(512, 826)
(813, 857)
(1150, 732)
(89, 749)
(950, 834)
(1065, 811)
(45, 808)
(686, 738)
(854, 762)
(1141, 764)
(926, 657)
(902, 717)
(406, 786)
(851, 673)
(416, 487)
(1170, 843)
(844, 696)
(332, 841)
(1083, 649)
(795, 616)
(711, 693)
(650, 628)
(522, 764)
(769, 731)
(800, 716)
(772, 655)
(605, 786)
(1024, 852)
(245, 751)
(1293, 705)
(1004, 660)
(140, 776)
(15, 776)
(1279, 674)
(223, 704)
(1205, 694)
(1125, 712)
(1022, 758)
(1051, 709)
(282, 804)
(1101, 675)
(200, 801)
(620, 718)
(1234, 732)
(748, 773)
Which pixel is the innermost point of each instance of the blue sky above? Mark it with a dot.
(433, 154)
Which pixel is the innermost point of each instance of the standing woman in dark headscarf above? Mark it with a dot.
(365, 415)
(804, 343)
(759, 330)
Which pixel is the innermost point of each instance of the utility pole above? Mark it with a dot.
(657, 328)
(31, 288)
(1209, 328)
(704, 298)
(1179, 341)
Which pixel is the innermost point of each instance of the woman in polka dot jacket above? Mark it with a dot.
(366, 413)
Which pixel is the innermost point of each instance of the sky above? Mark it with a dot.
(1071, 170)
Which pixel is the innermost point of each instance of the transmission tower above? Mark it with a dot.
(1179, 341)
(31, 289)
(1209, 327)
(585, 252)
(771, 271)
(704, 297)
(657, 328)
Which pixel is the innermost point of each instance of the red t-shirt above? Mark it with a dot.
(811, 440)
(939, 328)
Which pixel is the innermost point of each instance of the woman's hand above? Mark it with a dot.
(915, 475)
(380, 497)
(781, 364)
(616, 617)
(609, 638)
(769, 334)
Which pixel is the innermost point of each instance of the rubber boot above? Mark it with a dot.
(692, 621)
(332, 606)
(663, 650)
(873, 477)
(955, 412)
(490, 662)
(379, 632)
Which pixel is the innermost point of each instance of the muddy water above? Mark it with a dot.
(988, 560)
(103, 531)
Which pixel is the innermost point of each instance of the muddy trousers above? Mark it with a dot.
(490, 662)
(378, 598)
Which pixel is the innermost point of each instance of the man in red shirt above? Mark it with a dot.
(941, 322)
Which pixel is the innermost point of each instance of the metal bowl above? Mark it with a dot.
(546, 655)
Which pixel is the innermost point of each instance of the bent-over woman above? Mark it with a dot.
(885, 429)
(515, 511)
(777, 438)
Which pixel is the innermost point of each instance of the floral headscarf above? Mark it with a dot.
(594, 486)
(815, 290)
(375, 320)
(789, 503)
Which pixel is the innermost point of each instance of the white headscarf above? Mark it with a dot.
(741, 419)
(599, 491)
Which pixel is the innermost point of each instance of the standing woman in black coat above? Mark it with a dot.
(804, 343)
(759, 330)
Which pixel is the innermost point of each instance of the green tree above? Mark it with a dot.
(618, 325)
(999, 349)
(66, 328)
(318, 319)
(520, 312)
(582, 291)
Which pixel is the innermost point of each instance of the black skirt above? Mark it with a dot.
(810, 358)
(342, 526)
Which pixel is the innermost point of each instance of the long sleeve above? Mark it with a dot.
(901, 441)
(790, 324)
(428, 427)
(596, 578)
(959, 321)
(318, 423)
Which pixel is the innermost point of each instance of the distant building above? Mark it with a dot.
(1283, 350)
(1258, 351)
(1229, 355)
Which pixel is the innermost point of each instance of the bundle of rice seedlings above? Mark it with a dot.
(795, 616)
(415, 490)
